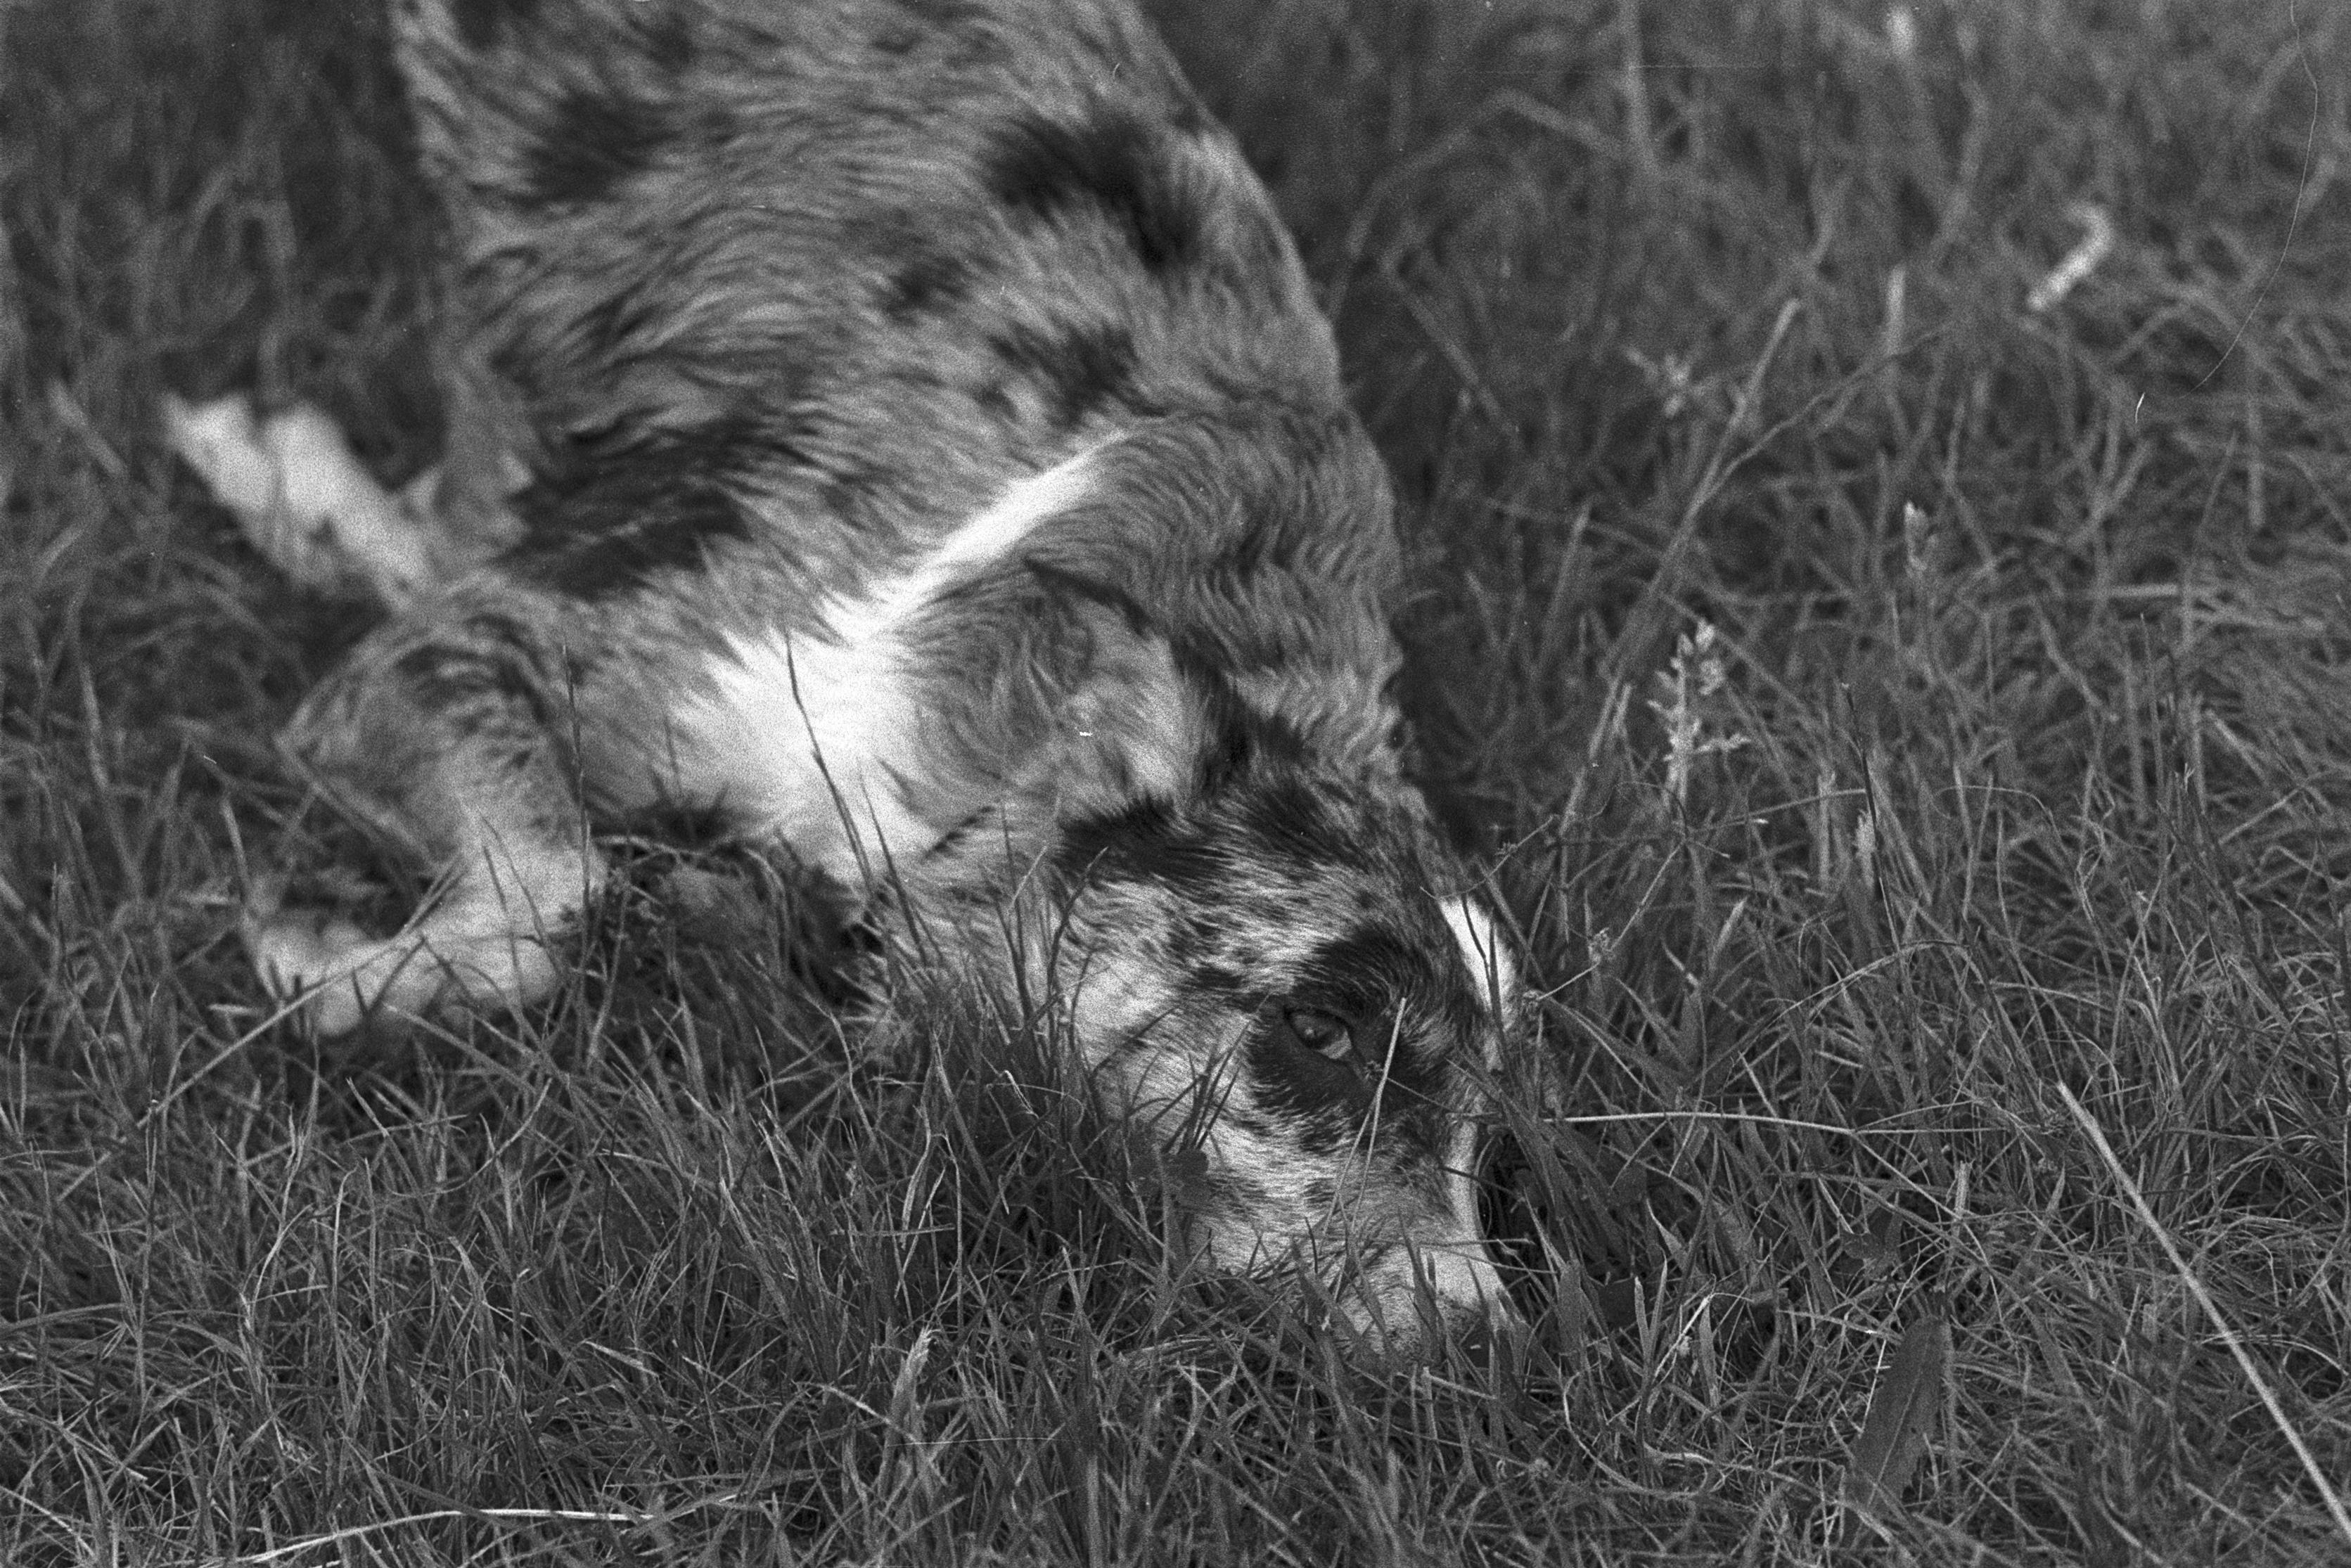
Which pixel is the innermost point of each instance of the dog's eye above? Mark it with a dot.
(1325, 1034)
(1305, 1060)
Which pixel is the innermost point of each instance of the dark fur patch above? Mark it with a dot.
(1212, 978)
(1242, 737)
(617, 509)
(1141, 841)
(1369, 968)
(1288, 818)
(591, 144)
(932, 280)
(1366, 977)
(1109, 165)
(481, 22)
(1325, 1101)
(1082, 368)
(669, 42)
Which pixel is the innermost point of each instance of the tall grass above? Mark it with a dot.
(1890, 711)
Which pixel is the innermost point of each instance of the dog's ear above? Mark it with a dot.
(1161, 722)
(1062, 706)
(1136, 730)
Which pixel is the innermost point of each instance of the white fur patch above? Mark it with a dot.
(1490, 966)
(1495, 975)
(804, 734)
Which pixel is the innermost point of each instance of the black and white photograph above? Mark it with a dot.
(1117, 782)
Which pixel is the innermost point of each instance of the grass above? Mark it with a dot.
(2012, 776)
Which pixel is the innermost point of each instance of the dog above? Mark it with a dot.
(904, 429)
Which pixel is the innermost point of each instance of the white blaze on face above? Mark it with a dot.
(804, 734)
(1461, 1272)
(1491, 968)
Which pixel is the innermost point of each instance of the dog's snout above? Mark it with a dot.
(1440, 1304)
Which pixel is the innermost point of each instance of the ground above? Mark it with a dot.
(1905, 701)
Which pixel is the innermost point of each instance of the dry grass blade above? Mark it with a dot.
(1901, 1413)
(378, 1527)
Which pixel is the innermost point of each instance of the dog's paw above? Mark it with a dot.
(315, 964)
(477, 953)
(252, 466)
(302, 497)
(222, 441)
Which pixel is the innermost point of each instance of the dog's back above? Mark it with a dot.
(888, 258)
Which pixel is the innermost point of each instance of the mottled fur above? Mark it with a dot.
(903, 426)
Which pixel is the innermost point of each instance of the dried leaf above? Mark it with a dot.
(1901, 1414)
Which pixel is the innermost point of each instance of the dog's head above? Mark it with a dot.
(1200, 849)
(1280, 976)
